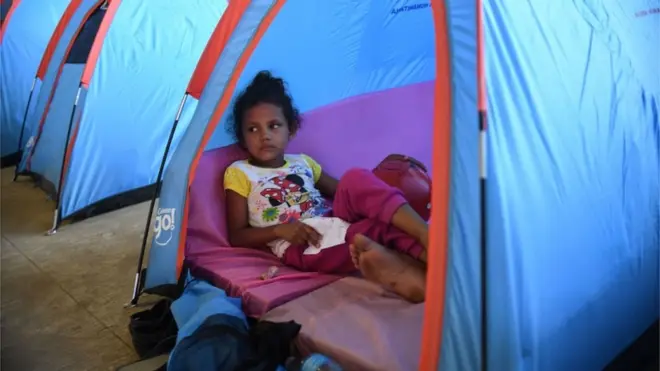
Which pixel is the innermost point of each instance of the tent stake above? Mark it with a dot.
(56, 218)
(134, 301)
(25, 115)
(138, 274)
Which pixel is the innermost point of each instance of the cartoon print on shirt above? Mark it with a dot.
(291, 191)
(290, 216)
(284, 195)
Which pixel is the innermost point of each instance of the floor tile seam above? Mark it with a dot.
(59, 285)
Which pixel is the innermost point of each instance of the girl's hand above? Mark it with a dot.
(298, 233)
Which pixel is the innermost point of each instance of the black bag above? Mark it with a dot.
(153, 331)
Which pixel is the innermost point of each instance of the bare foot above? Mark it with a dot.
(395, 271)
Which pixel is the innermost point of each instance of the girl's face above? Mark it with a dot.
(266, 134)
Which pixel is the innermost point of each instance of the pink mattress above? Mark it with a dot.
(358, 324)
(236, 270)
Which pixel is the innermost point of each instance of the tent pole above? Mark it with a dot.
(137, 285)
(58, 215)
(483, 173)
(483, 240)
(25, 115)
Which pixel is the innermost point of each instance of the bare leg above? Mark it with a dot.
(407, 220)
(395, 271)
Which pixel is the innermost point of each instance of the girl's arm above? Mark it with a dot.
(240, 232)
(327, 185)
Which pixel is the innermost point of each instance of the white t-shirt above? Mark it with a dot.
(286, 194)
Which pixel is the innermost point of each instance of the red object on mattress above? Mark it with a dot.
(411, 178)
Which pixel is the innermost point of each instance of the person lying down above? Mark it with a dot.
(278, 200)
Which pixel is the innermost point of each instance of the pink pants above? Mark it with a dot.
(368, 203)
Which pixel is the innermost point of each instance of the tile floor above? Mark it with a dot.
(63, 296)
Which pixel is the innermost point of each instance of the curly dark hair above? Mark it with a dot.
(264, 88)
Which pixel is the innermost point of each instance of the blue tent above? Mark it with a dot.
(110, 96)
(565, 275)
(26, 30)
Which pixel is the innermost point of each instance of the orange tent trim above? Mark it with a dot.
(113, 5)
(220, 109)
(55, 38)
(12, 8)
(223, 31)
(57, 78)
(436, 275)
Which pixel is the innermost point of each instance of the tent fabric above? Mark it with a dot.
(51, 77)
(460, 346)
(54, 130)
(55, 38)
(25, 34)
(221, 34)
(574, 172)
(129, 86)
(82, 46)
(5, 7)
(117, 119)
(573, 163)
(52, 145)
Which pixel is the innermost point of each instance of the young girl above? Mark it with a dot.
(279, 200)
